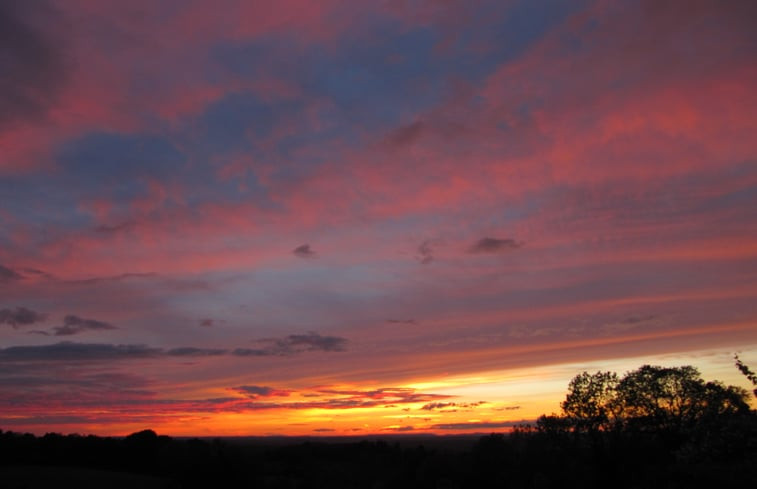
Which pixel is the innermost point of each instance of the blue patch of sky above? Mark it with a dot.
(235, 121)
(505, 33)
(371, 81)
(113, 167)
(40, 201)
(97, 166)
(378, 77)
(114, 158)
(299, 298)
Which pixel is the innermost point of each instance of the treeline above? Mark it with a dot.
(654, 427)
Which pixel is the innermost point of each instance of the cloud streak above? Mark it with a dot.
(33, 61)
(21, 316)
(425, 253)
(304, 251)
(8, 275)
(259, 391)
(74, 325)
(479, 425)
(448, 405)
(71, 351)
(293, 344)
(494, 245)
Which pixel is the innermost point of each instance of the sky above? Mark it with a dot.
(357, 217)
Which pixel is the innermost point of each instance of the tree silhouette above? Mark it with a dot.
(590, 400)
(650, 398)
(747, 372)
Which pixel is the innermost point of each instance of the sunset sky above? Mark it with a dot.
(357, 217)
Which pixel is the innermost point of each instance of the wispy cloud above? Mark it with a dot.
(293, 344)
(191, 351)
(258, 391)
(70, 351)
(210, 322)
(406, 135)
(115, 228)
(32, 61)
(494, 245)
(304, 251)
(8, 274)
(74, 325)
(479, 425)
(425, 253)
(112, 278)
(20, 316)
(448, 405)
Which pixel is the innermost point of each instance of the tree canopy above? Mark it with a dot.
(649, 398)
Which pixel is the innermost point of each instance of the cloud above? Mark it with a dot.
(258, 391)
(333, 398)
(7, 274)
(191, 351)
(33, 384)
(406, 135)
(108, 229)
(75, 325)
(494, 245)
(382, 396)
(443, 405)
(210, 322)
(314, 341)
(425, 253)
(112, 278)
(639, 319)
(437, 405)
(304, 251)
(402, 321)
(69, 351)
(20, 316)
(479, 425)
(31, 61)
(34, 271)
(293, 344)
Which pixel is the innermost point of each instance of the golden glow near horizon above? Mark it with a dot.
(481, 402)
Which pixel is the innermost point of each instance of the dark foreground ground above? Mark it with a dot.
(724, 458)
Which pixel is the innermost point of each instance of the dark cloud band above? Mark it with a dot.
(494, 245)
(20, 316)
(293, 344)
(70, 351)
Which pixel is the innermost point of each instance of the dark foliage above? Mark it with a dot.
(747, 372)
(689, 433)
